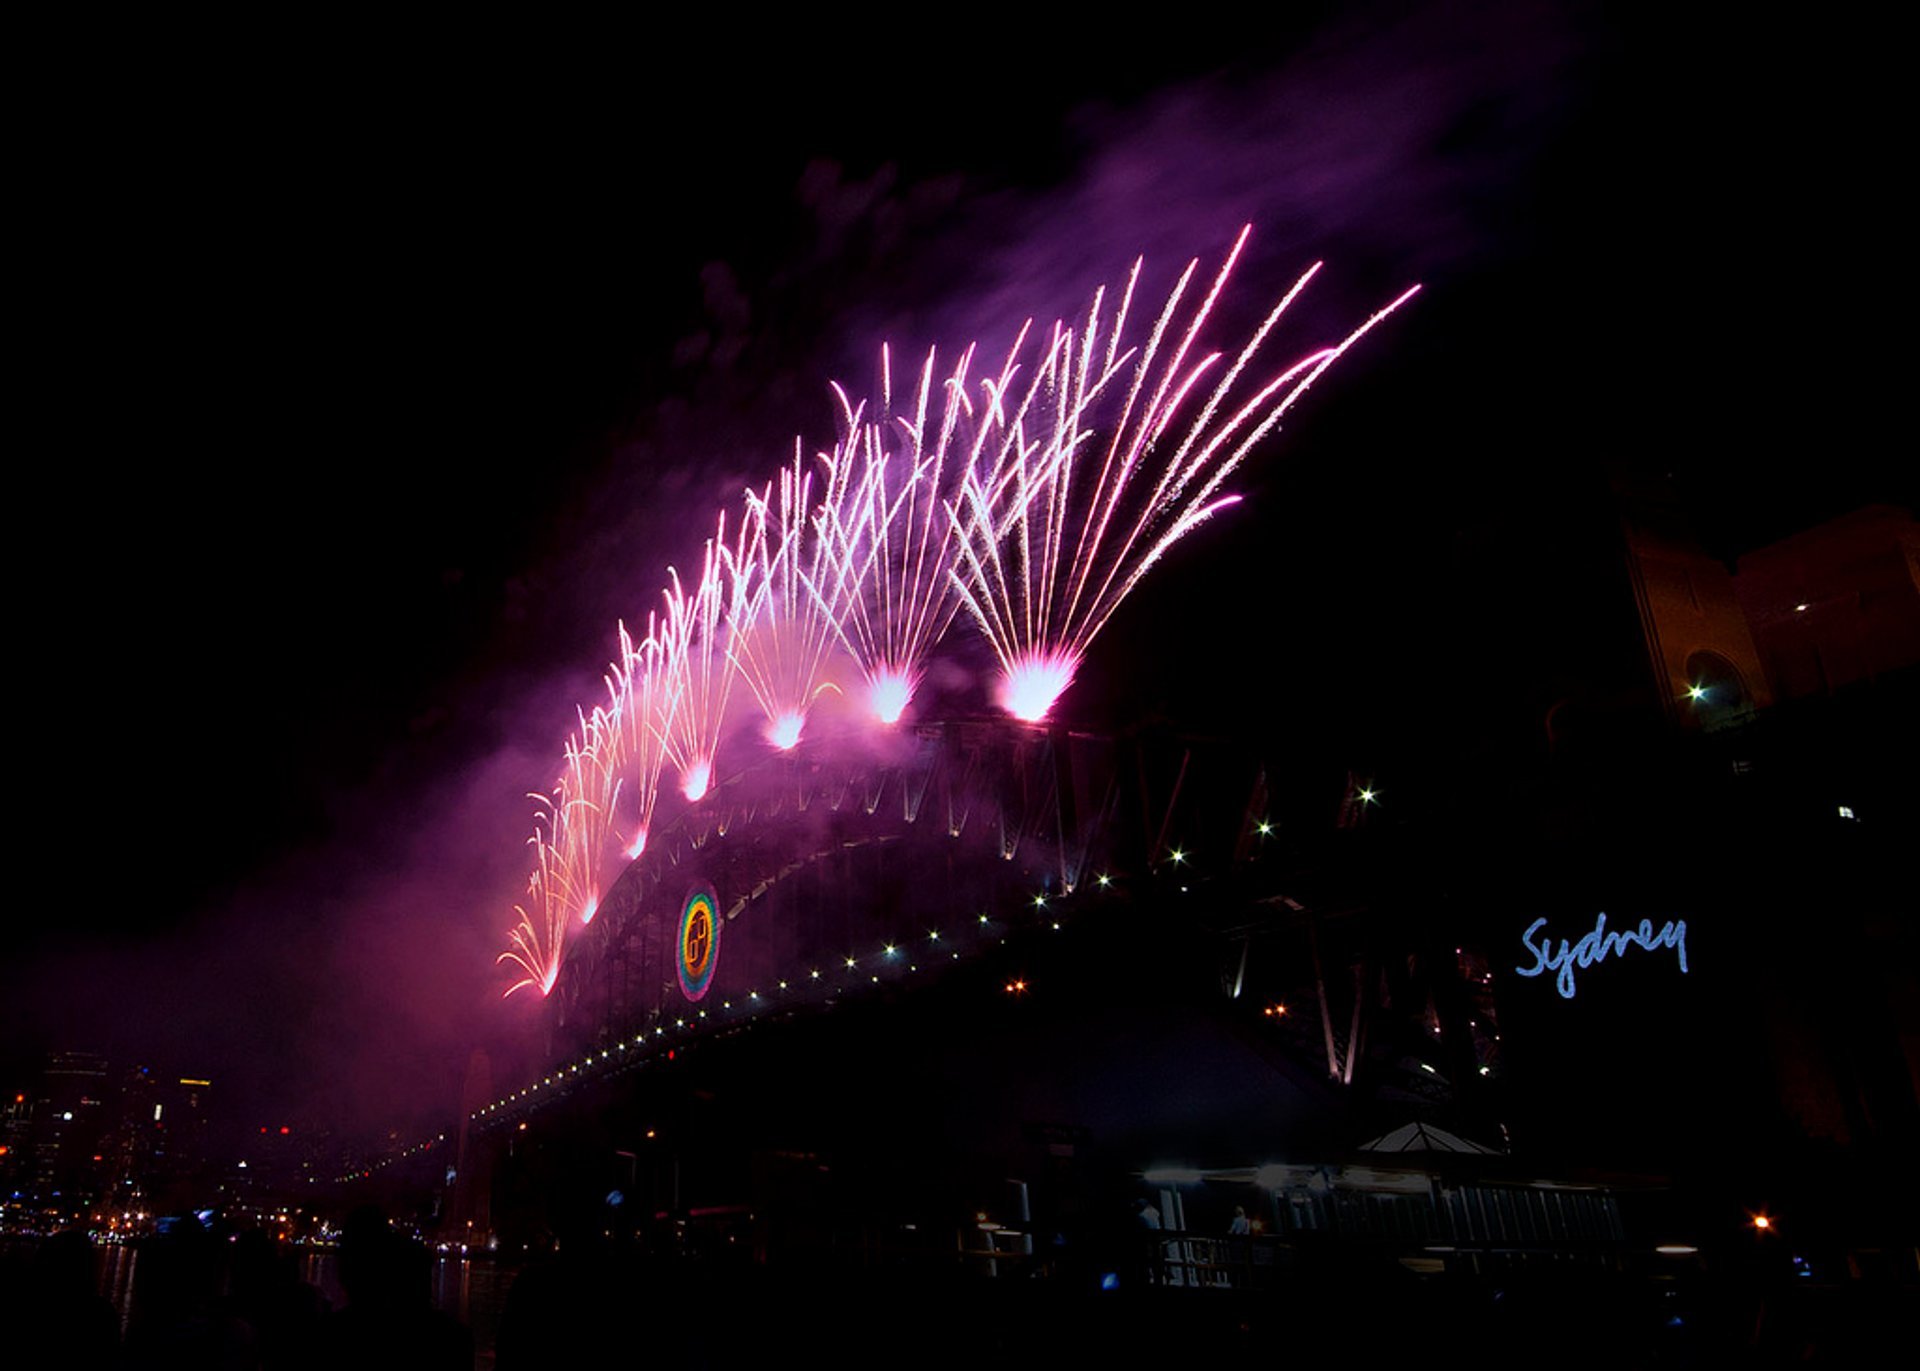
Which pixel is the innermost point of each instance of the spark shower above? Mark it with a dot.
(1033, 496)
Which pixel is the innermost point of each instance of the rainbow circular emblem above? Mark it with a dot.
(699, 941)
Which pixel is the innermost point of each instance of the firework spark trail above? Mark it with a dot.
(1043, 564)
(640, 704)
(584, 804)
(789, 629)
(1000, 504)
(536, 943)
(574, 826)
(892, 542)
(697, 666)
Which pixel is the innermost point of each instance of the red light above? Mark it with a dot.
(263, 1128)
(284, 1130)
(669, 1054)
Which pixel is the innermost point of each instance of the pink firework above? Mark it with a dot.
(891, 543)
(1030, 686)
(696, 778)
(585, 800)
(571, 839)
(696, 666)
(1102, 475)
(537, 941)
(787, 629)
(641, 702)
(889, 691)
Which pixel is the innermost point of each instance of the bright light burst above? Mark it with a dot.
(1092, 481)
(1029, 687)
(784, 732)
(888, 693)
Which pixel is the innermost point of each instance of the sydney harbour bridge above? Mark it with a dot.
(1151, 952)
(841, 867)
(850, 866)
(912, 954)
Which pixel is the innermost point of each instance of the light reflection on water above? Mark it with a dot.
(116, 1279)
(473, 1292)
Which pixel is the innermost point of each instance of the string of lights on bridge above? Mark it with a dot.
(644, 1047)
(890, 959)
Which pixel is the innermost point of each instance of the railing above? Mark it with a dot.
(1207, 1262)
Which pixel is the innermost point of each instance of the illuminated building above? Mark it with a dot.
(71, 1120)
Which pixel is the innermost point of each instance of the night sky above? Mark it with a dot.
(359, 388)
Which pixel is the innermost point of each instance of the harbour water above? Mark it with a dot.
(474, 1292)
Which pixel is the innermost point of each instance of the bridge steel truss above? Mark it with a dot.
(896, 861)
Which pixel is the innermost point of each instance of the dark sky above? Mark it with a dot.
(359, 389)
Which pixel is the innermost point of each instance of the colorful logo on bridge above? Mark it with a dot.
(699, 941)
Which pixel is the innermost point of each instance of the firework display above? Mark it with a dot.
(1035, 496)
(780, 645)
(637, 684)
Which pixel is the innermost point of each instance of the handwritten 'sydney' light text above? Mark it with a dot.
(1597, 946)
